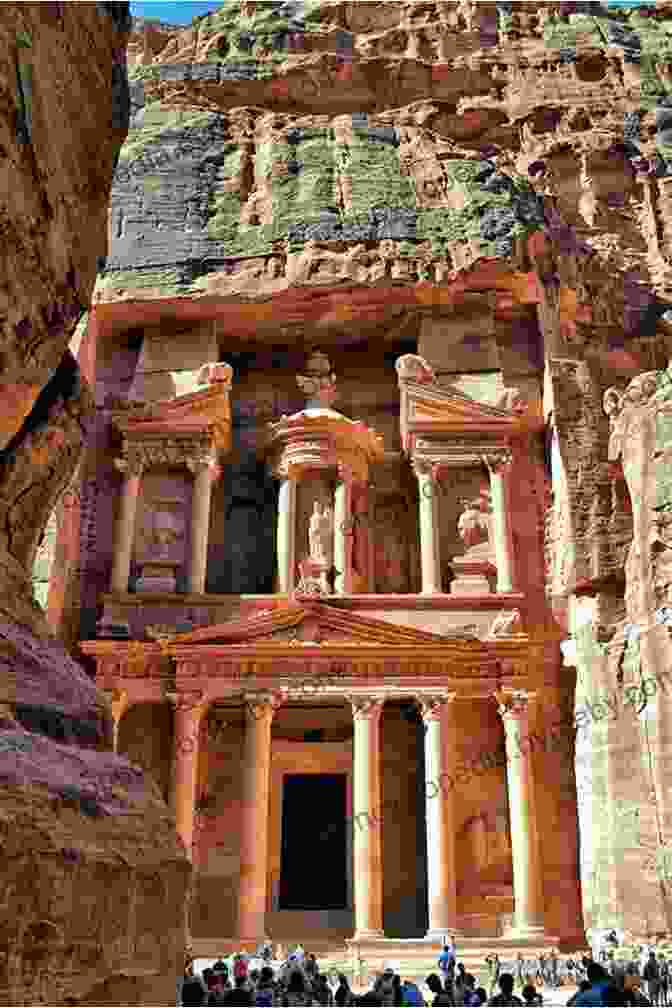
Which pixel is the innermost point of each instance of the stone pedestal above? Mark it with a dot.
(160, 576)
(472, 572)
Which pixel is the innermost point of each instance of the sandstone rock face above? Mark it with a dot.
(491, 181)
(93, 878)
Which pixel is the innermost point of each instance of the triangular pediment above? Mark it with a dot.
(310, 623)
(447, 408)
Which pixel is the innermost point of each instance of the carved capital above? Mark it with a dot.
(215, 374)
(432, 707)
(423, 467)
(131, 465)
(497, 461)
(513, 705)
(198, 464)
(187, 701)
(366, 708)
(261, 706)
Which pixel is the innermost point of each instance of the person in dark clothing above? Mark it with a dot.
(441, 997)
(193, 991)
(240, 995)
(584, 986)
(506, 995)
(343, 995)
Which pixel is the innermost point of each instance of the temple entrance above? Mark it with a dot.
(313, 858)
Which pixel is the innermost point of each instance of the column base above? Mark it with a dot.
(367, 935)
(525, 932)
(440, 934)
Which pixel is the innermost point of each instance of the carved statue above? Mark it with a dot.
(319, 381)
(163, 530)
(321, 533)
(474, 523)
(612, 403)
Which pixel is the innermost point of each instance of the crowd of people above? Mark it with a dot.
(299, 981)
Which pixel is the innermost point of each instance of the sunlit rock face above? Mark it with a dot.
(491, 181)
(93, 878)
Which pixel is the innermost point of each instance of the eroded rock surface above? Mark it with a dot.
(93, 878)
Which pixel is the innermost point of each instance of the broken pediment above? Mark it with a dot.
(313, 623)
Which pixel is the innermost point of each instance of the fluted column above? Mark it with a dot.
(204, 475)
(189, 709)
(125, 527)
(527, 887)
(256, 769)
(367, 828)
(500, 521)
(428, 502)
(286, 540)
(438, 716)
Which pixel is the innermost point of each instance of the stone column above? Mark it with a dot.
(189, 710)
(527, 888)
(343, 531)
(204, 474)
(255, 784)
(286, 544)
(437, 714)
(429, 528)
(123, 536)
(366, 822)
(500, 521)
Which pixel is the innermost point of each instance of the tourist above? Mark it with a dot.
(520, 969)
(506, 995)
(541, 970)
(445, 959)
(385, 987)
(441, 997)
(296, 993)
(583, 986)
(626, 991)
(343, 995)
(531, 996)
(411, 993)
(482, 995)
(599, 980)
(470, 997)
(664, 979)
(553, 961)
(265, 992)
(459, 984)
(311, 966)
(651, 974)
(240, 995)
(322, 990)
(193, 989)
(494, 969)
(240, 966)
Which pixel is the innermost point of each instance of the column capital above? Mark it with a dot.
(497, 461)
(185, 701)
(432, 707)
(366, 708)
(425, 467)
(514, 705)
(263, 704)
(131, 465)
(198, 464)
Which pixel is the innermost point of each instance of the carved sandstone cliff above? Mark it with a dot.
(93, 878)
(489, 180)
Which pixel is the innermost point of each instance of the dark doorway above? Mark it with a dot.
(313, 865)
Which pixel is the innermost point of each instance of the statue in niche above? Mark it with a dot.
(321, 534)
(474, 523)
